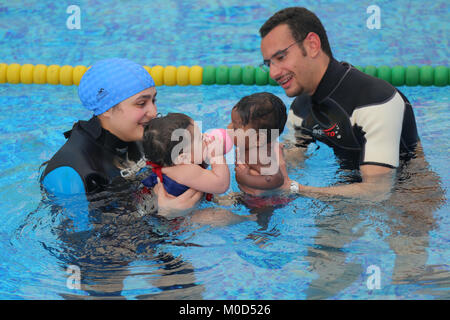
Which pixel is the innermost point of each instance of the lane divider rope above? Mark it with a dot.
(221, 75)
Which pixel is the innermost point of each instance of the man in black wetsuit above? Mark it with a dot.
(371, 127)
(369, 123)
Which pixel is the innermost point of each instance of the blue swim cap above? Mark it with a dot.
(110, 81)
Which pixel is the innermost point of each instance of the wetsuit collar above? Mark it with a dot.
(333, 75)
(92, 126)
(104, 137)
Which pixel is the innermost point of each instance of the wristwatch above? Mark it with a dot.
(294, 187)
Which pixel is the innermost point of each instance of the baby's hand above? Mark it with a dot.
(242, 169)
(207, 139)
(213, 147)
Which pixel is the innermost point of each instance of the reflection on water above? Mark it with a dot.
(121, 236)
(123, 255)
(406, 220)
(105, 252)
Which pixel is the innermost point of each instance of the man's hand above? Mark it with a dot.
(376, 185)
(170, 207)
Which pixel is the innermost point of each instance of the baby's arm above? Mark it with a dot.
(261, 182)
(216, 180)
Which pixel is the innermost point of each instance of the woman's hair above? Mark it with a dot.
(300, 21)
(262, 110)
(158, 141)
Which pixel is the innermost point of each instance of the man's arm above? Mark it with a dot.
(293, 156)
(382, 125)
(377, 182)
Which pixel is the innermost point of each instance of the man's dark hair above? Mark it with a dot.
(158, 144)
(300, 21)
(262, 110)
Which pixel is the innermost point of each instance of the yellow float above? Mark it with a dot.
(149, 69)
(53, 74)
(40, 74)
(157, 74)
(66, 75)
(3, 68)
(170, 76)
(13, 73)
(26, 73)
(196, 75)
(183, 75)
(78, 72)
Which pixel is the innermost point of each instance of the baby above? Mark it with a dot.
(176, 150)
(257, 121)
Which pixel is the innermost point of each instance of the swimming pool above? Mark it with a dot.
(308, 249)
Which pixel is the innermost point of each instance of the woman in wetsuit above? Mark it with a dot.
(106, 150)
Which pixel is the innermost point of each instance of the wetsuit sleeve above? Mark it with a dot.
(63, 181)
(382, 127)
(66, 189)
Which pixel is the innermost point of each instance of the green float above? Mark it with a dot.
(412, 76)
(261, 77)
(398, 76)
(248, 75)
(235, 75)
(426, 76)
(441, 76)
(222, 75)
(371, 71)
(209, 75)
(384, 73)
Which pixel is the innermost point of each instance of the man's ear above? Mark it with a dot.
(313, 44)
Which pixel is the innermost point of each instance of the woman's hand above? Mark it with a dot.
(171, 207)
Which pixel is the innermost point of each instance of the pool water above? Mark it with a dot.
(308, 249)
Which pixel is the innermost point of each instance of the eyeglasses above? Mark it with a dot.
(279, 55)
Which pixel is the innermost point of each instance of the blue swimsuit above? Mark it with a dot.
(172, 187)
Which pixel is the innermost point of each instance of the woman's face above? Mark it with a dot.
(127, 119)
